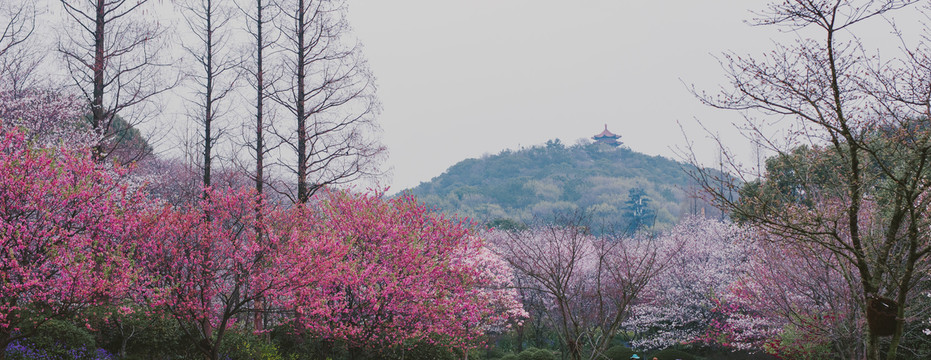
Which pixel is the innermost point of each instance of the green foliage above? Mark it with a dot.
(506, 224)
(60, 339)
(672, 354)
(798, 177)
(293, 345)
(796, 344)
(538, 181)
(618, 352)
(424, 351)
(637, 211)
(142, 334)
(242, 345)
(543, 355)
(509, 357)
(494, 353)
(536, 354)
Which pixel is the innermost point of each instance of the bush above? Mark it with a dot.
(494, 353)
(57, 339)
(510, 356)
(536, 354)
(295, 345)
(527, 354)
(618, 352)
(242, 345)
(425, 351)
(543, 355)
(147, 334)
(672, 354)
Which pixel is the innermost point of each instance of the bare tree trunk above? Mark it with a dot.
(208, 95)
(259, 104)
(301, 97)
(99, 121)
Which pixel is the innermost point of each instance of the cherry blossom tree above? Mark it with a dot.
(589, 283)
(859, 140)
(48, 117)
(66, 229)
(700, 298)
(811, 294)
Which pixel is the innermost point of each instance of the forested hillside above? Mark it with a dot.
(616, 185)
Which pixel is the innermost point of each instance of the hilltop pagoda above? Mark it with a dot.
(608, 138)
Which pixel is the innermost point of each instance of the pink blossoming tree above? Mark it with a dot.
(406, 273)
(206, 265)
(588, 283)
(65, 227)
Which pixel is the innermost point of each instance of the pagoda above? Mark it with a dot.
(608, 138)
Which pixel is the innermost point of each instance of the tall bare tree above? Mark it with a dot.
(853, 178)
(208, 22)
(330, 91)
(112, 56)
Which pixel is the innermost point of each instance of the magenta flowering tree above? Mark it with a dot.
(65, 227)
(405, 273)
(206, 265)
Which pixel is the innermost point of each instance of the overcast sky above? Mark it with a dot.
(462, 79)
(459, 79)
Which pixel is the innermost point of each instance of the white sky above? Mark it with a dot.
(460, 79)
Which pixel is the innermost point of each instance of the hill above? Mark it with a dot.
(616, 185)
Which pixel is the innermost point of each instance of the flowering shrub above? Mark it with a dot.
(46, 117)
(20, 351)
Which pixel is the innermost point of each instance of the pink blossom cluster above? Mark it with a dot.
(67, 227)
(46, 116)
(398, 272)
(369, 270)
(701, 296)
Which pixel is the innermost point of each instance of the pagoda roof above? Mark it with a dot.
(606, 134)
